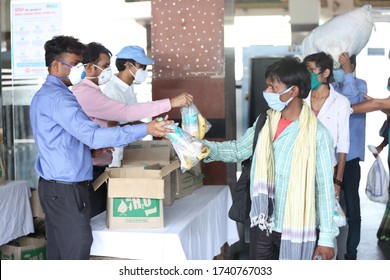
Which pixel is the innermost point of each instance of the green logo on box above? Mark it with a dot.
(136, 207)
(34, 254)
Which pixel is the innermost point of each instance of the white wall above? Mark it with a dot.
(375, 70)
(112, 23)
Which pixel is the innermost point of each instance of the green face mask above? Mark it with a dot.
(315, 83)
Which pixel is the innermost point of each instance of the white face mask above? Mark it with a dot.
(77, 73)
(104, 76)
(140, 76)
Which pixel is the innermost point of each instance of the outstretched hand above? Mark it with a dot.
(157, 127)
(181, 100)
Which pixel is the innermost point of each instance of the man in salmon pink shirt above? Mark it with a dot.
(101, 109)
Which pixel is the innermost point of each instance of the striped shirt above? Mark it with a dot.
(241, 149)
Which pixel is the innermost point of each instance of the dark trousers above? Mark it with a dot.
(68, 229)
(263, 247)
(350, 188)
(98, 198)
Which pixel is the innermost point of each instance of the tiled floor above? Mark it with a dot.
(369, 247)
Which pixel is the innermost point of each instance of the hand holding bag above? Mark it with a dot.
(339, 215)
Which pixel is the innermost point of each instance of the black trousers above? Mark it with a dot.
(68, 229)
(98, 198)
(263, 247)
(350, 188)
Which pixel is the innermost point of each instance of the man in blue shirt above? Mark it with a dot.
(65, 135)
(353, 88)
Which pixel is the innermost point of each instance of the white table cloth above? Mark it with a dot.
(16, 218)
(196, 227)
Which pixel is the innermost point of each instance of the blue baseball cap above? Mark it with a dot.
(136, 53)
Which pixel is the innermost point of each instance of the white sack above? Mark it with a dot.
(348, 32)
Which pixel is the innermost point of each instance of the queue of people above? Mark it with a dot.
(308, 151)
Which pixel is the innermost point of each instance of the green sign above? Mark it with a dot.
(136, 207)
(34, 254)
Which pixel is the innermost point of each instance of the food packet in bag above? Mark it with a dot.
(193, 122)
(339, 215)
(189, 149)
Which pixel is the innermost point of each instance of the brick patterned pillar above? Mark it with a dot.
(187, 44)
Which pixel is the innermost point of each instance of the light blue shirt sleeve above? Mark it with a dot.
(232, 151)
(64, 134)
(353, 88)
(73, 119)
(325, 196)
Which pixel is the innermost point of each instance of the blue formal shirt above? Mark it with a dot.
(353, 89)
(64, 134)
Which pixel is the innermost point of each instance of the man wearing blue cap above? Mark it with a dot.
(131, 63)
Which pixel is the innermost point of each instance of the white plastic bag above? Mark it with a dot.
(348, 32)
(339, 215)
(377, 187)
(193, 122)
(189, 149)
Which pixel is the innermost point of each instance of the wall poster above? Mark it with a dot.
(32, 24)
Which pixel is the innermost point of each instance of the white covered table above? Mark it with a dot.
(196, 227)
(16, 218)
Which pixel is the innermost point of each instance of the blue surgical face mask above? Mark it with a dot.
(274, 102)
(338, 75)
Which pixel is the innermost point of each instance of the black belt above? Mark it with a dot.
(83, 183)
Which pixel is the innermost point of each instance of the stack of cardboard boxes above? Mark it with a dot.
(150, 177)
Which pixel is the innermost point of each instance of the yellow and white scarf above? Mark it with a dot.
(299, 233)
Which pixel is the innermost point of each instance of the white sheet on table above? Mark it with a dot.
(15, 211)
(195, 228)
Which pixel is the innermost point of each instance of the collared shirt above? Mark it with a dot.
(64, 134)
(353, 89)
(101, 109)
(334, 115)
(119, 90)
(241, 149)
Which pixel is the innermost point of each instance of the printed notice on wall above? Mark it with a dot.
(32, 24)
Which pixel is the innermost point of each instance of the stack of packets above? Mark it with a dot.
(185, 140)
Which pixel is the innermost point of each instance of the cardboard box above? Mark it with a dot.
(36, 207)
(24, 248)
(153, 156)
(135, 196)
(150, 177)
(188, 181)
(144, 153)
